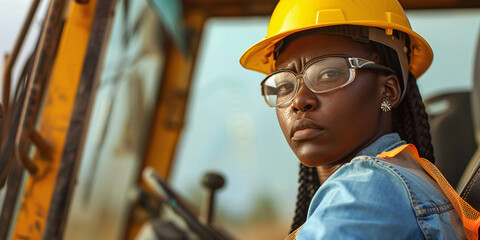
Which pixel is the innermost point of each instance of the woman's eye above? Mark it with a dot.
(284, 88)
(329, 75)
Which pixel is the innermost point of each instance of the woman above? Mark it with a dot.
(342, 76)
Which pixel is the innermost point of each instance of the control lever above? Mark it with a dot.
(212, 182)
(155, 181)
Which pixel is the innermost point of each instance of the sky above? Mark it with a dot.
(453, 35)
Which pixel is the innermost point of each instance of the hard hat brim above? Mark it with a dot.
(259, 57)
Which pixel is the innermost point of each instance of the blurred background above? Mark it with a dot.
(227, 128)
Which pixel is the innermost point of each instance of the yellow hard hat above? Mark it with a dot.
(291, 16)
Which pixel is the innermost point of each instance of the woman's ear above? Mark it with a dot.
(391, 89)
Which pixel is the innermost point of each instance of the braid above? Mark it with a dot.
(308, 185)
(411, 121)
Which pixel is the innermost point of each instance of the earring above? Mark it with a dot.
(386, 106)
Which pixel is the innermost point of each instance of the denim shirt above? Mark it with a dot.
(375, 198)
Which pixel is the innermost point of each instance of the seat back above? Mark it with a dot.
(452, 133)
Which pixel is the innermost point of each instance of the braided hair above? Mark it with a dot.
(410, 121)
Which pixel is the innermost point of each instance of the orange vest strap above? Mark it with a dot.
(294, 234)
(469, 216)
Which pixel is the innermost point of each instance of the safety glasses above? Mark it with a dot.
(320, 75)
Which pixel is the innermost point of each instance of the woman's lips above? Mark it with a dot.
(306, 134)
(305, 129)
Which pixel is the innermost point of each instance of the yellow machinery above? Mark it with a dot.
(45, 123)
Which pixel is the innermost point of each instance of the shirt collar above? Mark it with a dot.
(384, 143)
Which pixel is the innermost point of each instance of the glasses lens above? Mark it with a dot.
(279, 88)
(327, 74)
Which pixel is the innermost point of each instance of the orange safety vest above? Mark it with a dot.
(468, 215)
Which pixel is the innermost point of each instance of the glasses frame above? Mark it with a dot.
(352, 64)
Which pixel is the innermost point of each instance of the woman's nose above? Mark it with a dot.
(305, 100)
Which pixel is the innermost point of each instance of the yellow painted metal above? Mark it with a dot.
(172, 101)
(170, 111)
(55, 118)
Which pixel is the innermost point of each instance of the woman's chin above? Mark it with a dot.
(312, 157)
(311, 161)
